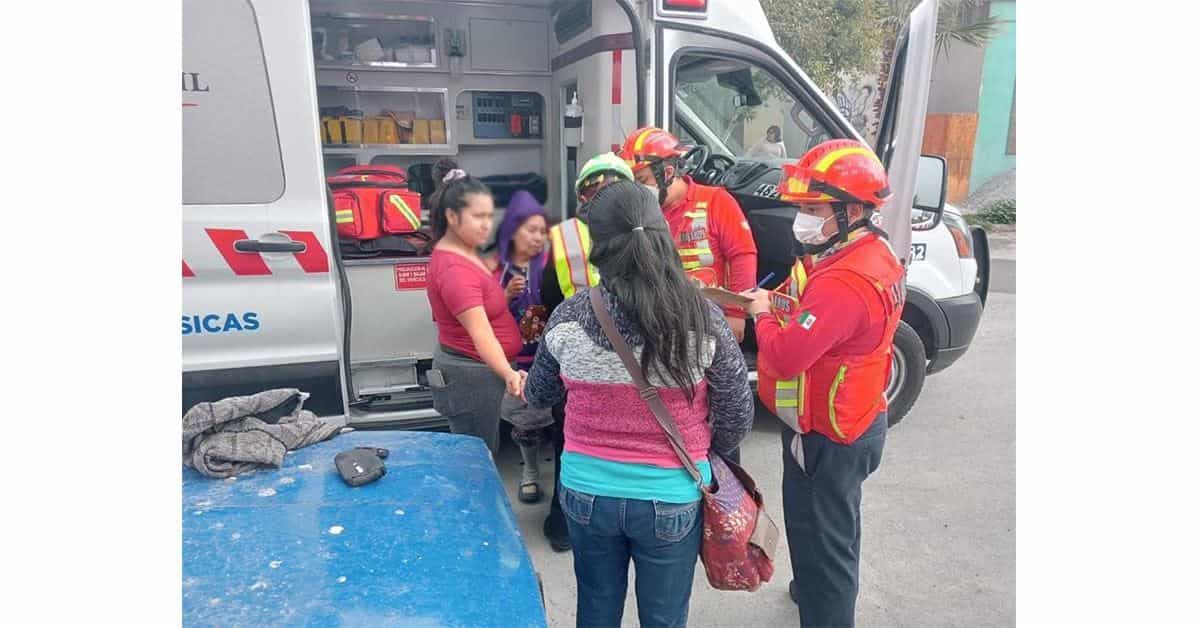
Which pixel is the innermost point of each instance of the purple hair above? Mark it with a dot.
(521, 207)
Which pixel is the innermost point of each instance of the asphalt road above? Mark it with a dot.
(939, 543)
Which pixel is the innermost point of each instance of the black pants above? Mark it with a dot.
(560, 418)
(822, 514)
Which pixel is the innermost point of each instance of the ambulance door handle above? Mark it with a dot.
(259, 246)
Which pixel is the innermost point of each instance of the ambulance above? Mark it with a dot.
(278, 95)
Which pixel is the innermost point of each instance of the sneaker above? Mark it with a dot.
(555, 529)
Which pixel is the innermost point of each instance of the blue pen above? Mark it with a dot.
(764, 281)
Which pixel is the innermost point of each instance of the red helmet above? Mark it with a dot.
(836, 171)
(648, 145)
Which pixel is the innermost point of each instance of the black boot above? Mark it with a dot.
(792, 592)
(555, 529)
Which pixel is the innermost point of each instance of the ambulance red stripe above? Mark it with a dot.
(240, 263)
(313, 259)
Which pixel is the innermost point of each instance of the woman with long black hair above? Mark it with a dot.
(477, 337)
(624, 491)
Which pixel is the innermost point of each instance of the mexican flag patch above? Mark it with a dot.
(806, 319)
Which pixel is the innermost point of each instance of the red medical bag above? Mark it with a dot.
(371, 201)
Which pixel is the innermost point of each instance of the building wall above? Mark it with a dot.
(957, 72)
(952, 118)
(996, 99)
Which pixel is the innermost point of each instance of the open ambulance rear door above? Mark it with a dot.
(719, 72)
(260, 305)
(902, 123)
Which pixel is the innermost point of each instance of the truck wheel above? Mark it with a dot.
(908, 373)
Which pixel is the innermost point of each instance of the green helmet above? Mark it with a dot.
(602, 163)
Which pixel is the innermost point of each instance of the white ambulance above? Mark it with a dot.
(269, 300)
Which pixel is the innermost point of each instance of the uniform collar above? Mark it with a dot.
(838, 251)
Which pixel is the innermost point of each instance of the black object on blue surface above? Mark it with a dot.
(434, 542)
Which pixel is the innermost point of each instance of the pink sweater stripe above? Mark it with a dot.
(612, 422)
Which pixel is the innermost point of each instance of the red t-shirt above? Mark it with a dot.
(456, 284)
(735, 255)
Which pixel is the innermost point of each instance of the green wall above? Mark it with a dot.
(996, 99)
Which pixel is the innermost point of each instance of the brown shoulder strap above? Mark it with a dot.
(647, 392)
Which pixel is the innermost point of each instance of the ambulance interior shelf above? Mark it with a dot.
(344, 40)
(382, 118)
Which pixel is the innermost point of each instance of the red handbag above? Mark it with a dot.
(738, 547)
(372, 201)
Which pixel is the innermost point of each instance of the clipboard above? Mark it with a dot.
(725, 297)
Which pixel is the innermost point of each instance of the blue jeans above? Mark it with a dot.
(663, 539)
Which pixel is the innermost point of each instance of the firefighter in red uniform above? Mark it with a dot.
(824, 356)
(709, 228)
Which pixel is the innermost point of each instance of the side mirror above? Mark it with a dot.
(930, 195)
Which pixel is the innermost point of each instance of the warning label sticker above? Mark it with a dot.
(412, 276)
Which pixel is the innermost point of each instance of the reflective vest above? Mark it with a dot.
(694, 243)
(570, 244)
(841, 394)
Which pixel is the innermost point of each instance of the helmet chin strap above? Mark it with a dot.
(658, 169)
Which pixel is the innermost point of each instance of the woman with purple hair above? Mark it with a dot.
(520, 259)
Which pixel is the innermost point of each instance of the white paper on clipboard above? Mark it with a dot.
(725, 297)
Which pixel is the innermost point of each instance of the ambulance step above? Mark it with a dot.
(381, 378)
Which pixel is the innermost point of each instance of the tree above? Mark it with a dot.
(835, 39)
(830, 39)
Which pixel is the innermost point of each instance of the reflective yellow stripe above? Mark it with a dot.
(700, 205)
(641, 139)
(786, 393)
(789, 400)
(585, 240)
(344, 216)
(828, 160)
(703, 251)
(797, 186)
(799, 280)
(570, 243)
(404, 209)
(696, 214)
(837, 381)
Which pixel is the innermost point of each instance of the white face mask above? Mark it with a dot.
(808, 229)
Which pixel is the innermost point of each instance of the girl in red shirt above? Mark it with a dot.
(477, 337)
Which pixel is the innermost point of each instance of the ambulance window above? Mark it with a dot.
(231, 151)
(742, 109)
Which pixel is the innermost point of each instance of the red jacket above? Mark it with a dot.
(722, 231)
(826, 366)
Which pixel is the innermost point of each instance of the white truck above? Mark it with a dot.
(268, 298)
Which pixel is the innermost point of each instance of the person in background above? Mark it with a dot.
(477, 336)
(624, 491)
(824, 358)
(770, 146)
(519, 262)
(569, 272)
(710, 231)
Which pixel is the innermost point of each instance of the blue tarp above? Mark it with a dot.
(432, 543)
